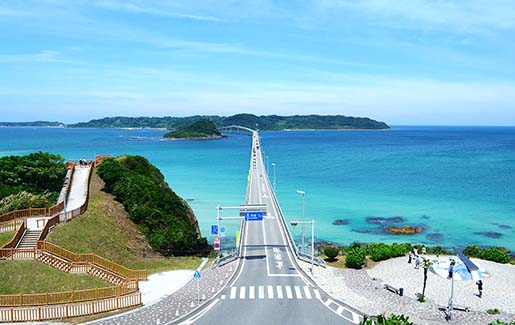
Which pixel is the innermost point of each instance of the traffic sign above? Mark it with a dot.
(253, 216)
(197, 275)
(222, 232)
(216, 243)
(214, 230)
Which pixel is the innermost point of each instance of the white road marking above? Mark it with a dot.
(328, 302)
(307, 293)
(242, 292)
(223, 297)
(298, 293)
(279, 292)
(251, 292)
(340, 309)
(289, 294)
(233, 292)
(317, 294)
(270, 292)
(261, 292)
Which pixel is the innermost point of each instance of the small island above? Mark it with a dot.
(202, 129)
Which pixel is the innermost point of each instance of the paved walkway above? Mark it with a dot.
(358, 289)
(180, 303)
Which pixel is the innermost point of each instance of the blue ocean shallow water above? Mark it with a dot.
(457, 183)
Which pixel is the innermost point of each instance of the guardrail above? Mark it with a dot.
(17, 236)
(11, 225)
(93, 259)
(49, 224)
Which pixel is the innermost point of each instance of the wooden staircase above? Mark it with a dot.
(29, 239)
(55, 262)
(106, 275)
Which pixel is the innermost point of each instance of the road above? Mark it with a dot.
(269, 288)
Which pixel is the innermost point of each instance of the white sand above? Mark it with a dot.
(163, 284)
(499, 287)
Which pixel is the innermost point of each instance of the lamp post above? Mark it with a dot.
(303, 229)
(267, 164)
(312, 222)
(273, 165)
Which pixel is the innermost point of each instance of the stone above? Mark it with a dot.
(341, 222)
(404, 230)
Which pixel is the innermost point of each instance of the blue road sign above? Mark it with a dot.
(196, 275)
(222, 232)
(214, 230)
(253, 216)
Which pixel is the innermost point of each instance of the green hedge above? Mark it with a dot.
(495, 254)
(331, 252)
(355, 258)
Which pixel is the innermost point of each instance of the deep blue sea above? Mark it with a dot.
(458, 183)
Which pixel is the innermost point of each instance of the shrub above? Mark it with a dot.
(494, 311)
(397, 250)
(472, 251)
(380, 252)
(390, 320)
(331, 252)
(495, 255)
(24, 200)
(354, 258)
(498, 322)
(355, 244)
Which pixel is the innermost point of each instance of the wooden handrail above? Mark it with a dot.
(55, 298)
(17, 236)
(93, 259)
(50, 223)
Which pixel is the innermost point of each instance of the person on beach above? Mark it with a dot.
(423, 249)
(417, 262)
(479, 284)
(415, 251)
(410, 257)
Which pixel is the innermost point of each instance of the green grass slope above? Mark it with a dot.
(105, 229)
(5, 237)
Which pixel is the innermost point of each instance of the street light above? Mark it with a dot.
(267, 164)
(273, 165)
(303, 229)
(312, 222)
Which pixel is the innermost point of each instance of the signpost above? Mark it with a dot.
(197, 276)
(254, 216)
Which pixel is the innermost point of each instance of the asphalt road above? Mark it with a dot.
(268, 288)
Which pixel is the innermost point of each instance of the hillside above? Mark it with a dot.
(163, 217)
(264, 122)
(106, 229)
(201, 129)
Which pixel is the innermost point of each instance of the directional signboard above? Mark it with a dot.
(214, 230)
(254, 216)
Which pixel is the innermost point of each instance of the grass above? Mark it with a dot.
(5, 237)
(106, 230)
(35, 277)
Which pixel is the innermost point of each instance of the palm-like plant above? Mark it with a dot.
(425, 265)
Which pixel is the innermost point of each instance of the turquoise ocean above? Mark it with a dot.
(457, 183)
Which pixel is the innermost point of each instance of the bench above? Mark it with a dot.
(455, 307)
(399, 291)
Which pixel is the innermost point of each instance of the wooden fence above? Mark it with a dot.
(17, 236)
(11, 225)
(49, 224)
(64, 311)
(93, 259)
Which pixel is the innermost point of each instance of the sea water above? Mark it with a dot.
(456, 183)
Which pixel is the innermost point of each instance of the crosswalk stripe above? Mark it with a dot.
(298, 293)
(340, 309)
(261, 292)
(307, 293)
(251, 292)
(242, 292)
(279, 292)
(328, 302)
(233, 292)
(317, 294)
(270, 292)
(289, 294)
(222, 297)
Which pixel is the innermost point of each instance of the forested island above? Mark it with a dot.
(202, 129)
(263, 122)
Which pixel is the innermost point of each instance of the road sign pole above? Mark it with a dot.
(198, 291)
(218, 220)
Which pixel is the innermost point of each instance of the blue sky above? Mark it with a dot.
(403, 62)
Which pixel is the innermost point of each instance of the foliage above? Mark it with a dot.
(382, 251)
(494, 311)
(498, 322)
(421, 298)
(36, 173)
(354, 258)
(496, 255)
(163, 217)
(202, 128)
(270, 122)
(331, 252)
(390, 320)
(472, 251)
(24, 200)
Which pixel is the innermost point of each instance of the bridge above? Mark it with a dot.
(269, 286)
(236, 129)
